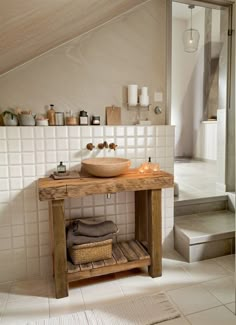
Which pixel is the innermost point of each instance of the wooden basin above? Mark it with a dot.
(106, 167)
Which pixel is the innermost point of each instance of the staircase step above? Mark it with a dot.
(187, 207)
(205, 235)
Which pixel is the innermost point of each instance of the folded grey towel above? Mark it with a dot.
(78, 240)
(94, 230)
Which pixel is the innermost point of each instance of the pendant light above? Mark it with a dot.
(191, 36)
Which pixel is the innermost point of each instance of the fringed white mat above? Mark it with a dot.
(147, 310)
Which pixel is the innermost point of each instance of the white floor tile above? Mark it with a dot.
(215, 316)
(231, 307)
(193, 299)
(19, 312)
(206, 270)
(223, 289)
(227, 262)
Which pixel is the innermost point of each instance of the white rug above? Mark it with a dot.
(147, 310)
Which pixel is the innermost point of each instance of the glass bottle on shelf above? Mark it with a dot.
(51, 115)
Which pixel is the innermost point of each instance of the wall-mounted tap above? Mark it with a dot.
(113, 146)
(103, 145)
(90, 146)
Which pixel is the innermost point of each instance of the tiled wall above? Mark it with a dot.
(28, 153)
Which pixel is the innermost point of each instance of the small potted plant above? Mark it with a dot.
(10, 117)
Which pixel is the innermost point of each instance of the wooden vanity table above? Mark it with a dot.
(126, 255)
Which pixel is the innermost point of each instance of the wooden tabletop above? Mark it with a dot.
(50, 189)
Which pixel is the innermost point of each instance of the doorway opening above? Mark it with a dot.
(200, 100)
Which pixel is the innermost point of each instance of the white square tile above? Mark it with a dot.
(215, 316)
(18, 230)
(130, 142)
(3, 133)
(98, 131)
(14, 145)
(140, 131)
(31, 240)
(31, 217)
(120, 142)
(120, 131)
(130, 131)
(170, 131)
(3, 172)
(40, 157)
(31, 229)
(50, 144)
(160, 130)
(140, 153)
(27, 145)
(74, 131)
(206, 270)
(18, 242)
(170, 141)
(28, 157)
(49, 132)
(3, 159)
(151, 142)
(5, 243)
(3, 146)
(109, 131)
(14, 158)
(223, 289)
(51, 157)
(29, 182)
(16, 183)
(4, 184)
(62, 144)
(27, 132)
(86, 131)
(74, 144)
(30, 205)
(151, 131)
(193, 299)
(140, 142)
(29, 170)
(15, 171)
(161, 141)
(63, 156)
(32, 251)
(13, 133)
(61, 132)
(38, 132)
(39, 145)
(43, 226)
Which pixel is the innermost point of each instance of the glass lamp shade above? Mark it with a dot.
(191, 40)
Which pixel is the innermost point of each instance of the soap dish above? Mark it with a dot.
(66, 175)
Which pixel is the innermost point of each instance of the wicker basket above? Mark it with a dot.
(91, 252)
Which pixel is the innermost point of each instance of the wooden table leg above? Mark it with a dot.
(59, 239)
(141, 215)
(155, 233)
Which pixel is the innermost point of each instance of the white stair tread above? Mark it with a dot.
(205, 227)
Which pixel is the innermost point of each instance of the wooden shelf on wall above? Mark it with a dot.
(125, 256)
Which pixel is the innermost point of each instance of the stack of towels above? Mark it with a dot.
(81, 232)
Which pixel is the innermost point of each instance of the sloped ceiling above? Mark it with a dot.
(31, 27)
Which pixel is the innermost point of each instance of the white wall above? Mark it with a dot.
(187, 86)
(92, 71)
(27, 153)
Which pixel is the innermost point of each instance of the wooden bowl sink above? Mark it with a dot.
(106, 167)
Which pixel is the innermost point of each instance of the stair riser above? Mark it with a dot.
(203, 251)
(200, 207)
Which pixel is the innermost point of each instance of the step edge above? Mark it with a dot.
(223, 198)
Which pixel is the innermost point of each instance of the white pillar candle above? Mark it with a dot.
(132, 95)
(144, 100)
(144, 91)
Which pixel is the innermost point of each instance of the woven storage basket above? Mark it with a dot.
(91, 252)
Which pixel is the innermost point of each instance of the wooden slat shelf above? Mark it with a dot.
(125, 256)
